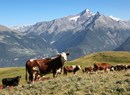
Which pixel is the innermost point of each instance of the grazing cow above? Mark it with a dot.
(120, 67)
(102, 66)
(88, 69)
(73, 68)
(46, 65)
(43, 78)
(11, 81)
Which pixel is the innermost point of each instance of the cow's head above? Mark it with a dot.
(18, 78)
(64, 56)
(79, 67)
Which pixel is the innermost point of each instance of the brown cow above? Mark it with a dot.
(43, 78)
(73, 68)
(46, 65)
(102, 66)
(89, 69)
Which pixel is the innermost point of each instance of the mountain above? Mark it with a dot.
(124, 46)
(21, 28)
(16, 48)
(4, 28)
(83, 33)
(115, 18)
(80, 34)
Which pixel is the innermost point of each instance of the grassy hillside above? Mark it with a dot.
(109, 57)
(11, 72)
(111, 83)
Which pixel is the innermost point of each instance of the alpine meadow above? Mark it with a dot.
(64, 47)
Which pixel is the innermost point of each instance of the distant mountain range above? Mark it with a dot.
(79, 34)
(124, 46)
(16, 48)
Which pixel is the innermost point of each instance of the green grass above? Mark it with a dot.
(109, 57)
(12, 72)
(112, 83)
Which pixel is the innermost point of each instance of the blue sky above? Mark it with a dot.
(25, 12)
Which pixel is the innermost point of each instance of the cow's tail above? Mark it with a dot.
(26, 75)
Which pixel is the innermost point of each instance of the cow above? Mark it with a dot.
(44, 78)
(89, 69)
(120, 67)
(73, 68)
(102, 66)
(14, 81)
(46, 65)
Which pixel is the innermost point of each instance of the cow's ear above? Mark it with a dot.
(67, 53)
(58, 55)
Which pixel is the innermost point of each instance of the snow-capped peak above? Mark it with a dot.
(114, 18)
(21, 28)
(86, 12)
(74, 18)
(18, 27)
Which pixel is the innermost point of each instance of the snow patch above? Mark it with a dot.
(75, 18)
(52, 42)
(15, 59)
(115, 18)
(19, 27)
(89, 12)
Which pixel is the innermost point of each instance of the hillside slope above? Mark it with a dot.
(125, 46)
(112, 57)
(111, 83)
(109, 57)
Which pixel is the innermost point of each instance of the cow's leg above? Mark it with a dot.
(65, 72)
(54, 73)
(34, 77)
(74, 71)
(83, 70)
(61, 70)
(30, 78)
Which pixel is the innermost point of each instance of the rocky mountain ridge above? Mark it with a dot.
(79, 34)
